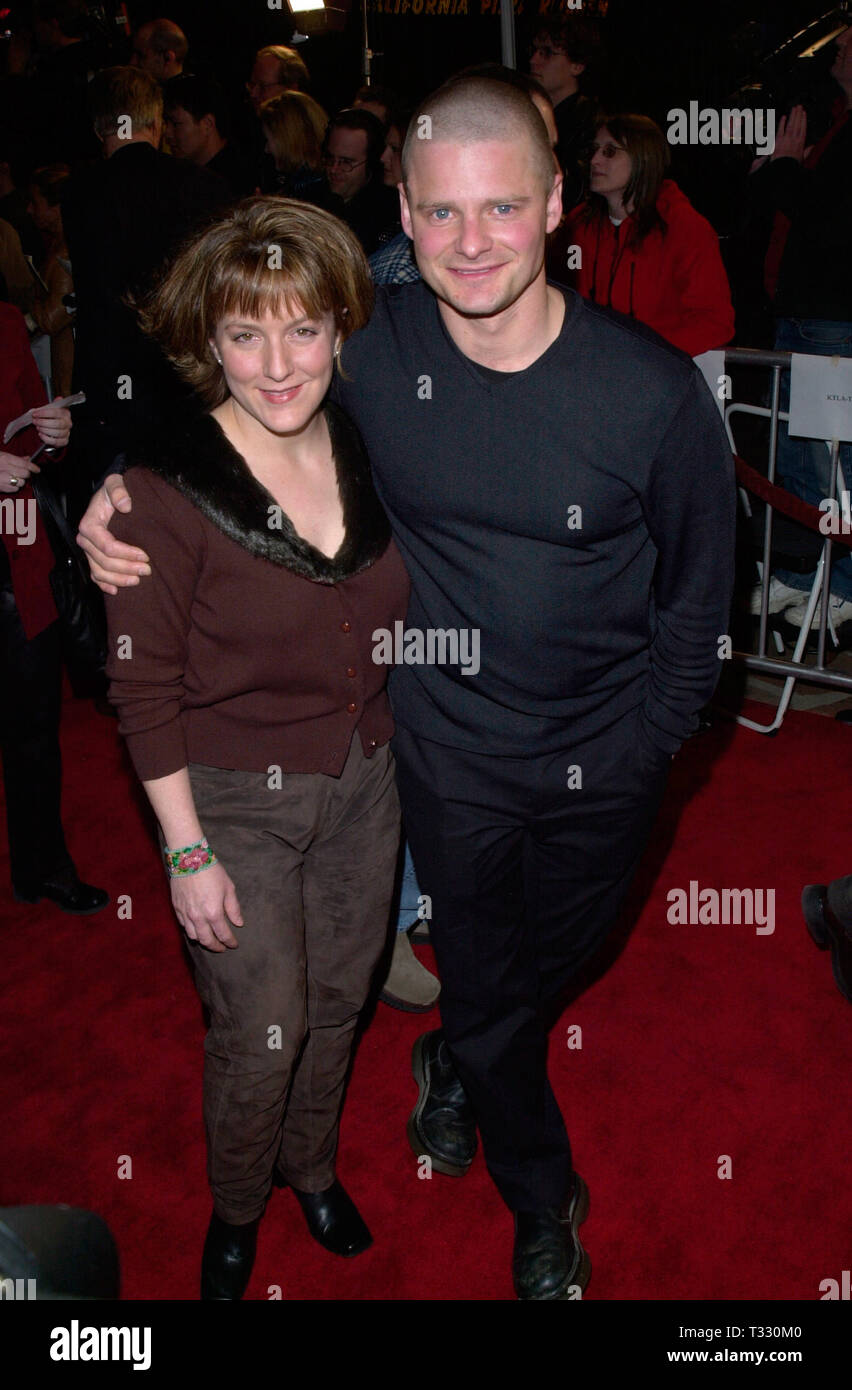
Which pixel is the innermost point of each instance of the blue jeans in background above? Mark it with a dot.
(803, 465)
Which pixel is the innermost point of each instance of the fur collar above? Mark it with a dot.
(195, 458)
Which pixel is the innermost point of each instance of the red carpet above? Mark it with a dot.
(699, 1042)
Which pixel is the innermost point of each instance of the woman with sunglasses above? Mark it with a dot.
(645, 251)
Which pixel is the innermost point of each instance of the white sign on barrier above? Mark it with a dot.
(820, 397)
(712, 367)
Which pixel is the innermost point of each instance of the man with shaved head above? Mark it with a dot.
(160, 48)
(561, 489)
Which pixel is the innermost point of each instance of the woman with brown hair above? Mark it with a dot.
(294, 125)
(253, 711)
(644, 249)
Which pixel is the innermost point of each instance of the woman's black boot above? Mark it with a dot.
(228, 1258)
(334, 1220)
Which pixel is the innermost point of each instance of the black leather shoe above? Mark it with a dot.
(334, 1220)
(829, 933)
(228, 1258)
(549, 1262)
(71, 895)
(441, 1124)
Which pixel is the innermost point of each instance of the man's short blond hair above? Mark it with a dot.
(470, 110)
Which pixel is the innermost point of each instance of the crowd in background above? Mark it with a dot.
(106, 167)
(89, 212)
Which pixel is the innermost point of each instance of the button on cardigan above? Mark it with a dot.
(247, 648)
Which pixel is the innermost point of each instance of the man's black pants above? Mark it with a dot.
(526, 871)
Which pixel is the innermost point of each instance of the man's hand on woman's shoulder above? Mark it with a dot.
(113, 564)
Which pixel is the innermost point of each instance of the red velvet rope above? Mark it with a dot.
(784, 501)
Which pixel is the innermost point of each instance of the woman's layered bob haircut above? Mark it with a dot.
(268, 255)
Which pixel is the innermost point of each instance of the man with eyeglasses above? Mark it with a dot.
(352, 154)
(276, 69)
(560, 54)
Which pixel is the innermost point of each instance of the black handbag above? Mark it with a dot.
(78, 600)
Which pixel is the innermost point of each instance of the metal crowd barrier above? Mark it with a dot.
(794, 669)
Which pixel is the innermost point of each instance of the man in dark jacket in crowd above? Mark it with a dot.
(195, 122)
(52, 111)
(352, 154)
(122, 217)
(562, 49)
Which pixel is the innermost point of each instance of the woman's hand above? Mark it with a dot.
(53, 423)
(206, 906)
(15, 471)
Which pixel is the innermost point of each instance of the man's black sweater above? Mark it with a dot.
(479, 476)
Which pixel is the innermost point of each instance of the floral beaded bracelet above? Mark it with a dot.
(189, 860)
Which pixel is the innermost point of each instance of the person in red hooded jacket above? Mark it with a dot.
(30, 649)
(645, 250)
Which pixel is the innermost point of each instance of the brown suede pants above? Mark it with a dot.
(313, 865)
